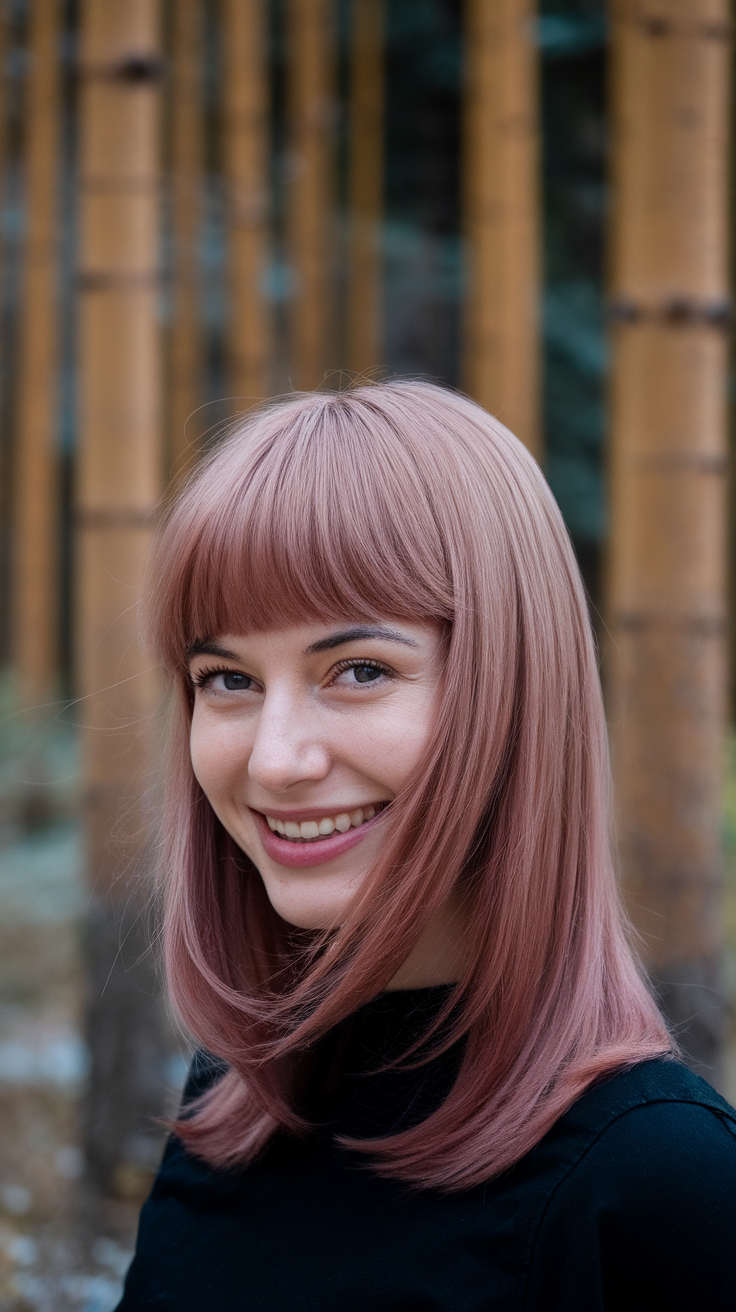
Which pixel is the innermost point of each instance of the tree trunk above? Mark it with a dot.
(186, 347)
(311, 221)
(119, 477)
(246, 164)
(36, 566)
(366, 186)
(668, 550)
(502, 206)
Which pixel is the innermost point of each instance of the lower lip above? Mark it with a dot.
(300, 855)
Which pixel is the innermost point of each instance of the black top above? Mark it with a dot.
(628, 1204)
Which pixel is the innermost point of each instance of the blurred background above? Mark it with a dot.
(208, 202)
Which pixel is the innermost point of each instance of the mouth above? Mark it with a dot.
(300, 843)
(312, 831)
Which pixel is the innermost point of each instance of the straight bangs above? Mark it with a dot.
(310, 510)
(403, 500)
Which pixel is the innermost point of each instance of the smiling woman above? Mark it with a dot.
(431, 1075)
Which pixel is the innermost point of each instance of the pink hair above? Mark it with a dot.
(405, 501)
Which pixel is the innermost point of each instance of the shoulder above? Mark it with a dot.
(658, 1136)
(654, 1132)
(644, 1198)
(663, 1079)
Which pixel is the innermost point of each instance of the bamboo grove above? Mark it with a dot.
(167, 94)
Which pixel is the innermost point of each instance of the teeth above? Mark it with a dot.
(310, 829)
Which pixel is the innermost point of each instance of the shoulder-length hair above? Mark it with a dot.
(406, 501)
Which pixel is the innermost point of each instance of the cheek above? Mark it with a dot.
(218, 756)
(392, 749)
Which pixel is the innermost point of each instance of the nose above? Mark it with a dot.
(288, 748)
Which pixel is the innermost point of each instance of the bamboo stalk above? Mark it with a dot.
(312, 98)
(186, 347)
(7, 435)
(366, 185)
(501, 220)
(36, 562)
(119, 479)
(668, 550)
(246, 159)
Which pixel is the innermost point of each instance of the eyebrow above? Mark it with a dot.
(210, 649)
(360, 633)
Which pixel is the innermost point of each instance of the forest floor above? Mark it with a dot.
(60, 1249)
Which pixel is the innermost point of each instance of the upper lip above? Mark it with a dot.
(314, 812)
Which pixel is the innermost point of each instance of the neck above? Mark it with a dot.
(438, 955)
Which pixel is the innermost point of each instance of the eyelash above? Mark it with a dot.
(203, 676)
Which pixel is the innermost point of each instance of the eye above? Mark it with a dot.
(222, 680)
(350, 673)
(366, 673)
(234, 682)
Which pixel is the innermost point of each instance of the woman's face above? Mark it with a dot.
(300, 739)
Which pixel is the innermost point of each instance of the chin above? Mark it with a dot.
(315, 922)
(306, 917)
(304, 908)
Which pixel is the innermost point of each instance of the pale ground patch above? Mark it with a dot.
(59, 1250)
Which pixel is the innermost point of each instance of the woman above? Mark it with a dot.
(430, 1074)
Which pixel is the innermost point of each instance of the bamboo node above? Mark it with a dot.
(99, 280)
(696, 626)
(678, 311)
(656, 26)
(136, 67)
(115, 184)
(675, 462)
